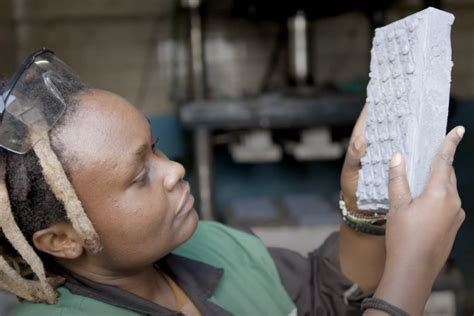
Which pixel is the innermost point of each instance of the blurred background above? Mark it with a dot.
(256, 98)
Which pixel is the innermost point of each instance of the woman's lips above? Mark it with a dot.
(187, 202)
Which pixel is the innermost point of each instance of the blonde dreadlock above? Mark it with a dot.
(55, 176)
(10, 279)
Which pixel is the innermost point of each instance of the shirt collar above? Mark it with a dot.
(193, 275)
(197, 279)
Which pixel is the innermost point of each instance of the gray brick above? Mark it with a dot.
(408, 97)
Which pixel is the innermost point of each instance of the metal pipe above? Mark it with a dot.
(196, 56)
(203, 156)
(298, 52)
(201, 136)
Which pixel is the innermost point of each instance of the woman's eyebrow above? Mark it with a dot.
(136, 160)
(137, 154)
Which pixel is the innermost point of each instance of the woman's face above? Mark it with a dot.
(135, 197)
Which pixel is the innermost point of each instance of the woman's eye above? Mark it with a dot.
(142, 178)
(155, 143)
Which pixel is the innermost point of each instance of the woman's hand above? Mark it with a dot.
(350, 169)
(428, 223)
(420, 232)
(361, 256)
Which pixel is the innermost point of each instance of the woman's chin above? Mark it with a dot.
(188, 226)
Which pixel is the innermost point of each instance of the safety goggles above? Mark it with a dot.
(36, 95)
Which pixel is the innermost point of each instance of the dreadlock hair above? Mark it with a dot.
(35, 193)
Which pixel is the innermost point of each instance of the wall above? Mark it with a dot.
(137, 48)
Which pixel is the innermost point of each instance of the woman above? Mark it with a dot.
(113, 222)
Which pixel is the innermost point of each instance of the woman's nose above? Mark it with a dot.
(175, 173)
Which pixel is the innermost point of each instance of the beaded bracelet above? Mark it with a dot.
(373, 224)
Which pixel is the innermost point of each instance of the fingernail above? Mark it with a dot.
(460, 131)
(396, 160)
(358, 143)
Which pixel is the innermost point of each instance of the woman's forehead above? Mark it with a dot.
(106, 111)
(104, 126)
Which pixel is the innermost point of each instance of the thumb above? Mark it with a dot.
(398, 188)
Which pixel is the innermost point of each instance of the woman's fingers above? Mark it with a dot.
(354, 153)
(360, 124)
(443, 162)
(398, 188)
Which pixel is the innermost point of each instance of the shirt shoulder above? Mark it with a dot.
(215, 240)
(250, 284)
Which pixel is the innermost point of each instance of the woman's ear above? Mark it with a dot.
(59, 240)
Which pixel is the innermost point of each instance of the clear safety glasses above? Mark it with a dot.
(36, 95)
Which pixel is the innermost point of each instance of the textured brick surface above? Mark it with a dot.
(408, 96)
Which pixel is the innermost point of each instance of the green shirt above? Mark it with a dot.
(250, 284)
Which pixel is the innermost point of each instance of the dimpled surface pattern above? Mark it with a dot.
(408, 98)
